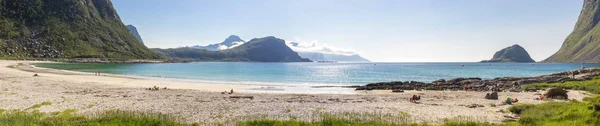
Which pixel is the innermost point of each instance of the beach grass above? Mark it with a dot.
(132, 118)
(558, 113)
(575, 113)
(69, 118)
(592, 86)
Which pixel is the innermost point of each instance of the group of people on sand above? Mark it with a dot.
(225, 92)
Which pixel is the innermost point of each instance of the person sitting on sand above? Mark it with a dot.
(508, 101)
(540, 98)
(231, 91)
(515, 100)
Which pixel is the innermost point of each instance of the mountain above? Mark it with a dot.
(346, 58)
(514, 53)
(583, 44)
(66, 29)
(314, 56)
(135, 33)
(267, 49)
(325, 56)
(318, 56)
(230, 42)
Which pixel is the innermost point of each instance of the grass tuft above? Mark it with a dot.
(36, 106)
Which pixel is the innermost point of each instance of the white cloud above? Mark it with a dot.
(234, 44)
(315, 46)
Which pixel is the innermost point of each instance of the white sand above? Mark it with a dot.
(200, 102)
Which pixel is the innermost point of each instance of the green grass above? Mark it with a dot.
(36, 106)
(69, 118)
(575, 113)
(592, 86)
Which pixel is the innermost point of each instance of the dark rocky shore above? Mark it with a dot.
(478, 84)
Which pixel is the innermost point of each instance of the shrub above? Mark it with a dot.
(518, 109)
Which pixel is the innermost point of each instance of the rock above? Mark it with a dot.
(557, 93)
(398, 91)
(493, 96)
(248, 97)
(439, 81)
(477, 84)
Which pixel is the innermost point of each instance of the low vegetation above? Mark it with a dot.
(592, 86)
(69, 118)
(576, 113)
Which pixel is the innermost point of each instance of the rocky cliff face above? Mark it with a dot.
(135, 33)
(513, 53)
(583, 44)
(66, 29)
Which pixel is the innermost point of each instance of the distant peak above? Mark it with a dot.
(231, 39)
(516, 45)
(266, 38)
(234, 38)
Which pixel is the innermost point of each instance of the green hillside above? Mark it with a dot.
(66, 29)
(583, 44)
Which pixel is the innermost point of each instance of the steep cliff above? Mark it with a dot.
(583, 44)
(66, 29)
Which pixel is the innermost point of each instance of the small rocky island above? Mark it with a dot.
(514, 53)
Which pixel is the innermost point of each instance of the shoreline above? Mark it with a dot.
(178, 83)
(190, 102)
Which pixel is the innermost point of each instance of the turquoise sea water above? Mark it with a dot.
(319, 73)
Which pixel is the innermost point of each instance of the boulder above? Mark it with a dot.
(492, 96)
(557, 93)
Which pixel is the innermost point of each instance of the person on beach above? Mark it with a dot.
(414, 98)
(508, 101)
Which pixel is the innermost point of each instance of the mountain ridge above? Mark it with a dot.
(66, 29)
(232, 40)
(266, 49)
(583, 44)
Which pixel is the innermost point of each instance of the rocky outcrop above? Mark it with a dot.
(514, 53)
(477, 84)
(557, 93)
(582, 44)
(135, 33)
(492, 96)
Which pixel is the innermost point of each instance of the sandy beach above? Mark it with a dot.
(202, 102)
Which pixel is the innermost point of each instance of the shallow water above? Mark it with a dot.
(319, 73)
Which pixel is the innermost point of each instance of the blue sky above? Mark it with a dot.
(380, 30)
